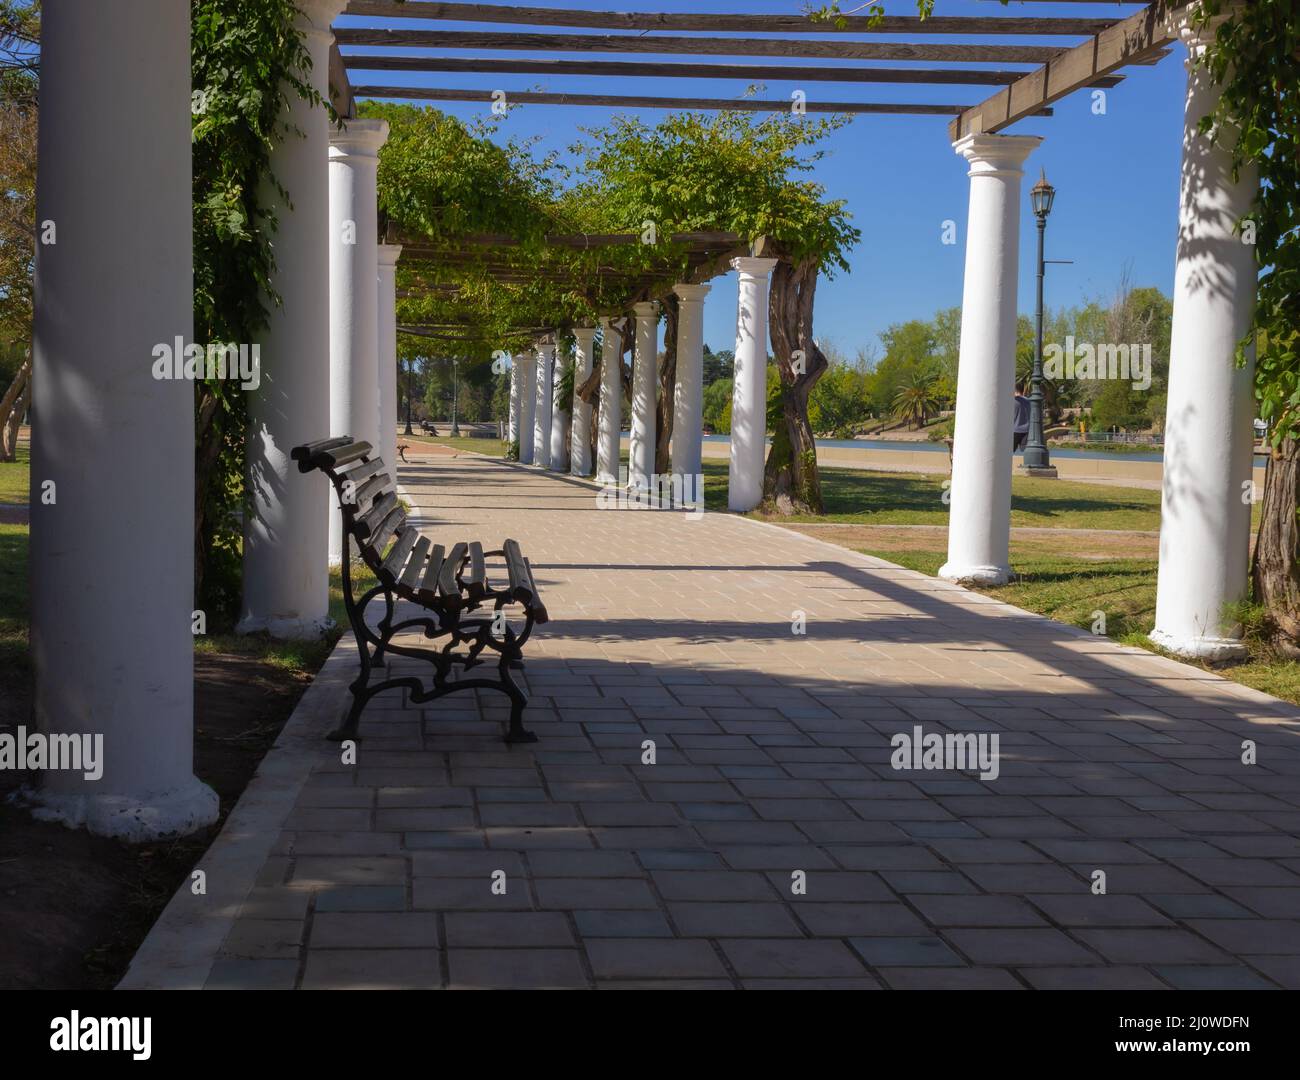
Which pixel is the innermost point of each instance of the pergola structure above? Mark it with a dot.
(112, 464)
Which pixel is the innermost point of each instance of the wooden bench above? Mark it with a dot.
(451, 585)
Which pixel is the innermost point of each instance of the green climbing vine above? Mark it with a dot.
(248, 62)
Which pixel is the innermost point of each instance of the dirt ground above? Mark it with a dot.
(75, 907)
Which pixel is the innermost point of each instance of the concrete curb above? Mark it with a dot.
(182, 946)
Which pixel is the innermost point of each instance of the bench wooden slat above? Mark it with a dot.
(474, 579)
(415, 564)
(363, 471)
(329, 454)
(521, 580)
(374, 488)
(535, 606)
(387, 528)
(373, 517)
(429, 587)
(447, 584)
(396, 559)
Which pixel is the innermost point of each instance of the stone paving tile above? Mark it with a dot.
(642, 958)
(772, 845)
(403, 968)
(503, 968)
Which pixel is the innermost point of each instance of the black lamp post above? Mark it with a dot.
(1036, 460)
(455, 394)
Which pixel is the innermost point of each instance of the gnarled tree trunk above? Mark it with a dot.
(19, 389)
(667, 386)
(9, 451)
(791, 483)
(1274, 570)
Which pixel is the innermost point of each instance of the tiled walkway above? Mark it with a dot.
(772, 765)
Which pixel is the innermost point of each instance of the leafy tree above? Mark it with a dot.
(917, 399)
(717, 405)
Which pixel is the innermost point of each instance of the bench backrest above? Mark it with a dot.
(372, 514)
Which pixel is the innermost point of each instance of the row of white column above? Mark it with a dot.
(112, 588)
(550, 438)
(1208, 456)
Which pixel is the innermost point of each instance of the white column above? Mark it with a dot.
(645, 370)
(542, 413)
(580, 430)
(560, 419)
(688, 393)
(513, 432)
(527, 361)
(749, 391)
(1209, 444)
(112, 509)
(286, 540)
(387, 316)
(610, 417)
(979, 523)
(354, 292)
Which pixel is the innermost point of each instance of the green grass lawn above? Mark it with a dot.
(14, 477)
(490, 447)
(1072, 591)
(858, 496)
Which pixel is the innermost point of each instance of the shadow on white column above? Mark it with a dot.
(1209, 442)
(112, 477)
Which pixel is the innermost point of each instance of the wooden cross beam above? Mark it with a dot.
(1139, 38)
(766, 24)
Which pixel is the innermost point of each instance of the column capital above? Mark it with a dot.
(994, 155)
(361, 138)
(754, 267)
(388, 254)
(646, 309)
(584, 333)
(315, 16)
(1189, 25)
(691, 293)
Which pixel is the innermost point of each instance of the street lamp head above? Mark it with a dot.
(1041, 196)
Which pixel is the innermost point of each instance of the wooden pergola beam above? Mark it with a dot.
(618, 69)
(340, 87)
(658, 44)
(731, 23)
(422, 93)
(574, 240)
(1140, 37)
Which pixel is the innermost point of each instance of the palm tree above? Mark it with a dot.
(917, 399)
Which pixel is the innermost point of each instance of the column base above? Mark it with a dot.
(976, 575)
(1043, 471)
(136, 820)
(285, 628)
(1199, 647)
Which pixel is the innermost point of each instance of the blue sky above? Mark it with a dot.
(1116, 174)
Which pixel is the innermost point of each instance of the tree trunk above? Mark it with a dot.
(667, 386)
(1274, 571)
(20, 382)
(791, 483)
(9, 452)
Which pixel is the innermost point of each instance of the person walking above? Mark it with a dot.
(1020, 422)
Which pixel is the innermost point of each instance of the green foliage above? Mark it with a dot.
(1253, 60)
(717, 406)
(248, 61)
(917, 399)
(722, 171)
(841, 400)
